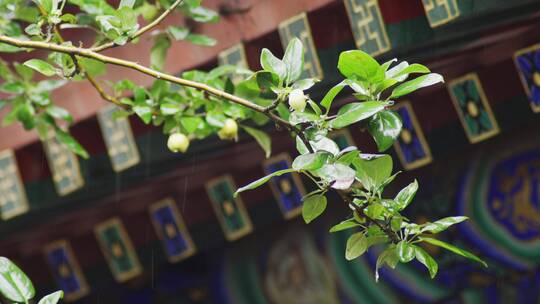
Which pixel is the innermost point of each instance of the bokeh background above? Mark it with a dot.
(473, 143)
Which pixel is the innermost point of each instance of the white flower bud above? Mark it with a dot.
(229, 130)
(178, 142)
(297, 100)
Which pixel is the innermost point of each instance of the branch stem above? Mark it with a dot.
(87, 53)
(80, 68)
(142, 30)
(384, 228)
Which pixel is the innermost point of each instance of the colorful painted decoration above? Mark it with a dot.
(171, 230)
(64, 166)
(13, 199)
(440, 12)
(298, 26)
(118, 138)
(499, 192)
(528, 65)
(287, 188)
(368, 26)
(342, 138)
(235, 55)
(118, 249)
(230, 211)
(66, 270)
(293, 263)
(411, 146)
(473, 108)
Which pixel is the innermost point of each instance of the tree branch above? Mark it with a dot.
(384, 228)
(87, 53)
(80, 68)
(143, 30)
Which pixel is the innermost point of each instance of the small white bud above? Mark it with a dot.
(297, 100)
(178, 142)
(229, 130)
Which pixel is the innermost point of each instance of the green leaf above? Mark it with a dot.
(6, 48)
(387, 64)
(169, 108)
(191, 123)
(391, 73)
(12, 87)
(395, 223)
(119, 114)
(144, 112)
(41, 66)
(25, 72)
(374, 210)
(340, 175)
(310, 161)
(405, 196)
(193, 3)
(158, 53)
(178, 33)
(413, 68)
(5, 71)
(47, 5)
(59, 113)
(356, 246)
(201, 40)
(423, 257)
(294, 60)
(225, 70)
(93, 67)
(201, 14)
(14, 284)
(25, 114)
(331, 95)
(359, 65)
(385, 127)
(354, 112)
(271, 63)
(405, 252)
(346, 224)
(52, 298)
(305, 84)
(323, 144)
(126, 3)
(33, 29)
(347, 157)
(49, 85)
(262, 138)
(262, 180)
(372, 172)
(389, 257)
(27, 13)
(313, 207)
(453, 249)
(443, 224)
(71, 143)
(415, 84)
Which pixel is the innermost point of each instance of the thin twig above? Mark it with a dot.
(87, 53)
(80, 68)
(142, 30)
(391, 235)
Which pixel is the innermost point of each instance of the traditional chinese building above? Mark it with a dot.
(135, 223)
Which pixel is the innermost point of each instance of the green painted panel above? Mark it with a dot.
(368, 26)
(298, 26)
(118, 250)
(118, 138)
(13, 199)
